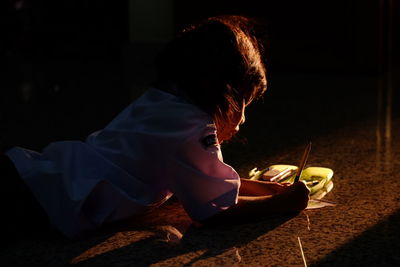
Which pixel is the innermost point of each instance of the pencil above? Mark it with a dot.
(302, 162)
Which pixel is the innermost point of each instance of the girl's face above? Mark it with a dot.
(228, 130)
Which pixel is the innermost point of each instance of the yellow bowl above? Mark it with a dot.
(321, 176)
(310, 172)
(316, 178)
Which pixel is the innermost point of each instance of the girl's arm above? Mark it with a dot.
(259, 188)
(278, 199)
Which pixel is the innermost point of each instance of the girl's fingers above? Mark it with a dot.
(298, 195)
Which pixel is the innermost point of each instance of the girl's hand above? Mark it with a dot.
(295, 196)
(261, 188)
(279, 199)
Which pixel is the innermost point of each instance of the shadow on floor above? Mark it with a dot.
(196, 245)
(378, 246)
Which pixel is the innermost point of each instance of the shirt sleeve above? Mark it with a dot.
(202, 182)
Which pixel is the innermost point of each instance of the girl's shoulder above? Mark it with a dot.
(161, 114)
(165, 109)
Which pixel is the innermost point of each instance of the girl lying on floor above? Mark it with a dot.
(167, 142)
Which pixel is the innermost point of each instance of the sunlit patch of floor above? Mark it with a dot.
(118, 240)
(228, 257)
(164, 234)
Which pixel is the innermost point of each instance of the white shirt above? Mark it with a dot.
(158, 146)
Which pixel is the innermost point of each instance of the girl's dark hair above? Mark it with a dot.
(217, 64)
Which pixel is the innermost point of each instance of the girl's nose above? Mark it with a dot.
(243, 119)
(237, 128)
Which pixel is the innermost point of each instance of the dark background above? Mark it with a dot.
(70, 66)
